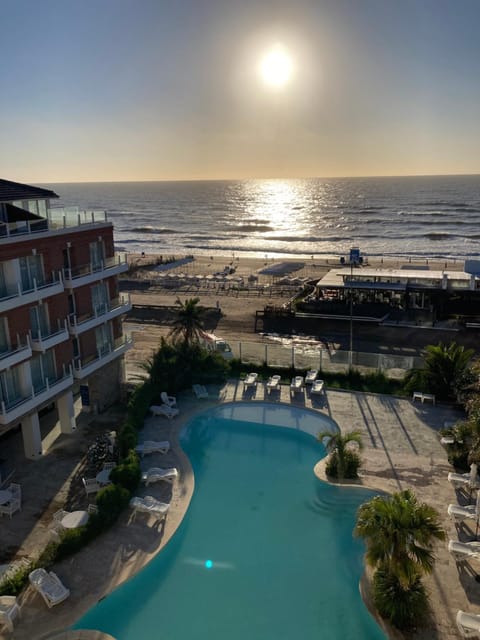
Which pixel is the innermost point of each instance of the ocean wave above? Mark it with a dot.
(149, 229)
(253, 227)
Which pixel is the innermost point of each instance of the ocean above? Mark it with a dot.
(420, 216)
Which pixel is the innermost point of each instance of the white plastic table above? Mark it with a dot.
(5, 496)
(74, 519)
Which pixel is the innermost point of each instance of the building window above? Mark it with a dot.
(4, 342)
(97, 255)
(103, 338)
(3, 284)
(43, 369)
(31, 272)
(100, 299)
(10, 386)
(39, 322)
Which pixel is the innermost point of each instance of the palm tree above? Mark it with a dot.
(337, 445)
(399, 533)
(188, 325)
(445, 366)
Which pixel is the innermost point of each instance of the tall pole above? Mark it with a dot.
(351, 312)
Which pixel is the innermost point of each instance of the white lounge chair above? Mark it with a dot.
(456, 512)
(468, 624)
(273, 383)
(170, 401)
(311, 376)
(200, 391)
(164, 410)
(155, 474)
(468, 480)
(464, 550)
(149, 504)
(151, 446)
(297, 384)
(250, 380)
(49, 586)
(317, 387)
(9, 610)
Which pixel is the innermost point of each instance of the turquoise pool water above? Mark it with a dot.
(265, 551)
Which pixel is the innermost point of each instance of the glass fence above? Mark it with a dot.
(310, 357)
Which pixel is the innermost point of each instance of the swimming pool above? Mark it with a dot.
(265, 550)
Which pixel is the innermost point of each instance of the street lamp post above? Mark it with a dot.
(351, 314)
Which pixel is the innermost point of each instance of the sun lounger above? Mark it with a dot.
(464, 550)
(468, 624)
(200, 391)
(467, 480)
(297, 384)
(164, 410)
(457, 512)
(151, 446)
(9, 610)
(311, 376)
(149, 504)
(317, 387)
(170, 401)
(49, 586)
(273, 383)
(155, 474)
(250, 380)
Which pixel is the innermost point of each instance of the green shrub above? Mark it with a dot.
(127, 474)
(111, 501)
(72, 540)
(15, 583)
(459, 458)
(127, 438)
(353, 463)
(405, 608)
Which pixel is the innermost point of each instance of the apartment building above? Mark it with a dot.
(60, 310)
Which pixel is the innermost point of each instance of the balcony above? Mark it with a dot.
(89, 273)
(27, 403)
(58, 219)
(84, 368)
(15, 296)
(116, 307)
(15, 354)
(41, 341)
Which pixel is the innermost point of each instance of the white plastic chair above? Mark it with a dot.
(11, 507)
(91, 485)
(49, 586)
(9, 610)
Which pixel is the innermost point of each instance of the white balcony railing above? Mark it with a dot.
(41, 341)
(16, 354)
(85, 367)
(17, 295)
(116, 307)
(88, 273)
(28, 402)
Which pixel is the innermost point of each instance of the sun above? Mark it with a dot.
(276, 67)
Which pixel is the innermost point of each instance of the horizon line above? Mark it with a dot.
(333, 177)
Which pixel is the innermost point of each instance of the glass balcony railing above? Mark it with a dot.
(103, 312)
(57, 218)
(108, 266)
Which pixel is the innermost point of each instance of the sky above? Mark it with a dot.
(108, 90)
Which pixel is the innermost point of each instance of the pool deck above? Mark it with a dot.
(401, 450)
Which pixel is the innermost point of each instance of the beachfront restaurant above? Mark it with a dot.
(405, 293)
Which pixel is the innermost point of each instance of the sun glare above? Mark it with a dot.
(276, 67)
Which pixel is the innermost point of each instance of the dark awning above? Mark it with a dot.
(15, 214)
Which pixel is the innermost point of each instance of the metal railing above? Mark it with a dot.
(314, 357)
(89, 268)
